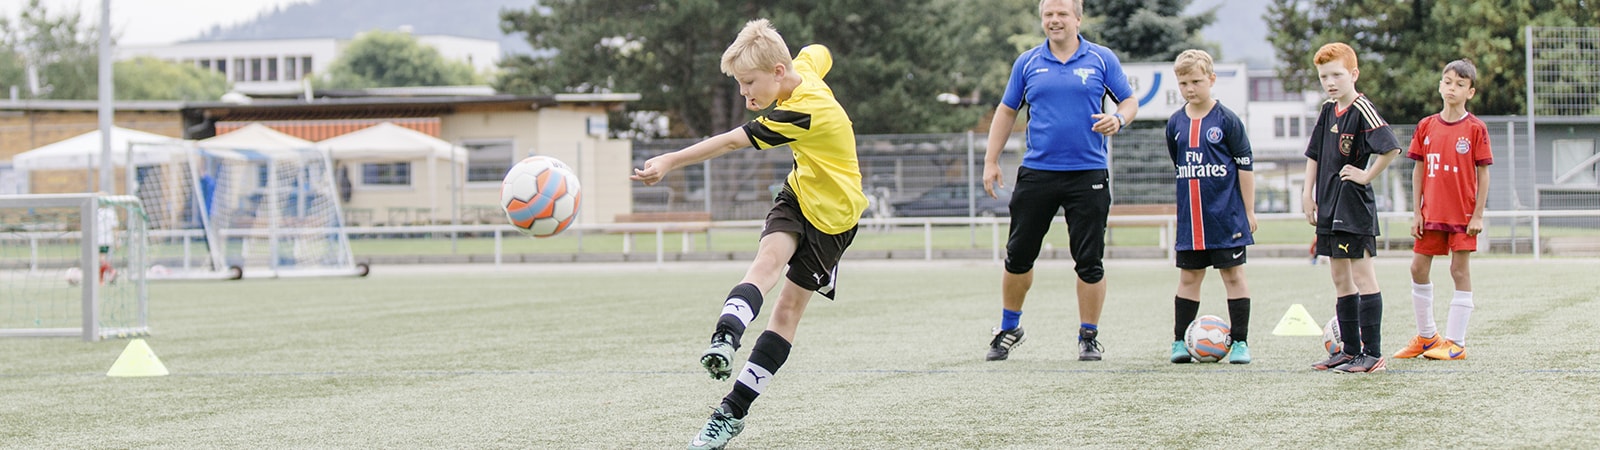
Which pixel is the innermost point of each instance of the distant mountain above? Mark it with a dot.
(1240, 30)
(344, 18)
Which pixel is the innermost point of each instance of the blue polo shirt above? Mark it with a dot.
(1061, 97)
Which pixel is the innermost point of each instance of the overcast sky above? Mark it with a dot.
(143, 22)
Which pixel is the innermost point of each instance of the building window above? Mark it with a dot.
(1270, 89)
(1278, 126)
(386, 174)
(255, 69)
(289, 72)
(272, 69)
(1294, 126)
(239, 72)
(305, 66)
(222, 67)
(489, 160)
(204, 64)
(1573, 162)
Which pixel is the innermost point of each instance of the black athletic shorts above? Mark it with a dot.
(1221, 258)
(1346, 245)
(815, 264)
(1085, 195)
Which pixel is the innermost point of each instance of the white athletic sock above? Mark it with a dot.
(1460, 312)
(1422, 302)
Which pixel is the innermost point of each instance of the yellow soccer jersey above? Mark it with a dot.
(826, 176)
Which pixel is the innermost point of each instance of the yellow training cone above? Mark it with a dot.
(1297, 322)
(137, 361)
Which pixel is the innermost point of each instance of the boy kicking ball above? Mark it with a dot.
(812, 221)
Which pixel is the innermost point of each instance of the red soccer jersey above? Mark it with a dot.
(1451, 153)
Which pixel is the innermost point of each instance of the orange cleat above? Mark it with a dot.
(1417, 346)
(1447, 350)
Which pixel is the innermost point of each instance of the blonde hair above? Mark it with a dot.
(758, 47)
(1337, 51)
(1192, 60)
(1077, 7)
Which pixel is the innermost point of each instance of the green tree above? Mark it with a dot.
(1147, 30)
(147, 78)
(893, 58)
(61, 51)
(1402, 46)
(394, 59)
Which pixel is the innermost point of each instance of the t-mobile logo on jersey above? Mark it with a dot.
(1434, 165)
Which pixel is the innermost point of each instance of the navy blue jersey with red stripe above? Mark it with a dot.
(1208, 154)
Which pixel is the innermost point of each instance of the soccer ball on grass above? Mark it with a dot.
(1207, 339)
(1332, 341)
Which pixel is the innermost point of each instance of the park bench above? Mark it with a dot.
(688, 223)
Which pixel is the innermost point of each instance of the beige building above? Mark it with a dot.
(482, 136)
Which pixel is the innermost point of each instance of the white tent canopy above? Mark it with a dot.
(388, 141)
(83, 151)
(257, 141)
(256, 137)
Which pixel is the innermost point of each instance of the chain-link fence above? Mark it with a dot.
(895, 169)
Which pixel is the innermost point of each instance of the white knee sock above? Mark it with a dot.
(1422, 302)
(1460, 312)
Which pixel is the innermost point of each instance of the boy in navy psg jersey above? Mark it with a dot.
(1338, 200)
(1216, 202)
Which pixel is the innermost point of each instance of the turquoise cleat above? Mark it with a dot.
(719, 429)
(1180, 354)
(1239, 353)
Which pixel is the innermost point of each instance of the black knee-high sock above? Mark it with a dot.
(743, 303)
(1349, 323)
(1184, 311)
(769, 353)
(1371, 307)
(1239, 314)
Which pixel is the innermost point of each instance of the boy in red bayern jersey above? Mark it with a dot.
(1453, 157)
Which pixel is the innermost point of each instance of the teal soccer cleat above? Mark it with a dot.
(1180, 354)
(1239, 353)
(718, 359)
(719, 429)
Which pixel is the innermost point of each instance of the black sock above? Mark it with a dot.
(766, 357)
(1184, 311)
(1239, 314)
(1371, 310)
(1349, 323)
(743, 303)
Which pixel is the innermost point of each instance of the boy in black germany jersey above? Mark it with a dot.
(1350, 145)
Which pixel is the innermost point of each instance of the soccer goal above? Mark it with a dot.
(58, 280)
(271, 213)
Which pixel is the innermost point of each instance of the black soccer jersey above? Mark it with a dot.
(1347, 137)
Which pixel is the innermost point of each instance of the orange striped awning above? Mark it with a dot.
(318, 130)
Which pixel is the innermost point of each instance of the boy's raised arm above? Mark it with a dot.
(656, 168)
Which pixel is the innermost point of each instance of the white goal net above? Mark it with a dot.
(56, 279)
(272, 213)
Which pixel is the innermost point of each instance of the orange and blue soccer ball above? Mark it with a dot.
(540, 195)
(1332, 341)
(1208, 339)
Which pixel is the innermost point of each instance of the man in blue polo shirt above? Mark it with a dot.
(1062, 82)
